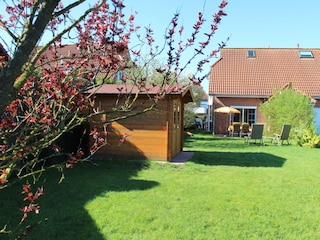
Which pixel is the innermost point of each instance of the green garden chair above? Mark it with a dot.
(283, 136)
(256, 134)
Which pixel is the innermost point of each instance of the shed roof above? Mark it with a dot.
(115, 89)
(265, 70)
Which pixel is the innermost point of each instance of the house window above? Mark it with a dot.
(251, 54)
(247, 114)
(305, 54)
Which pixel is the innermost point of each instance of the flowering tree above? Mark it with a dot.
(44, 95)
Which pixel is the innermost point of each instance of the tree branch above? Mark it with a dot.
(10, 79)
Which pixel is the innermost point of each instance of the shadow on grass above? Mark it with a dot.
(63, 204)
(210, 142)
(210, 150)
(247, 159)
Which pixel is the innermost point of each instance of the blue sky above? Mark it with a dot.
(250, 23)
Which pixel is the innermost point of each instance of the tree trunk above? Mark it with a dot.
(15, 74)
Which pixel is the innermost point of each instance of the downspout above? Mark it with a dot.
(211, 114)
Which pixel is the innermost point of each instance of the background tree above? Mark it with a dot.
(189, 111)
(45, 95)
(289, 106)
(42, 99)
(148, 69)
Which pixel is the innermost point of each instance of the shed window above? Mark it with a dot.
(305, 54)
(251, 54)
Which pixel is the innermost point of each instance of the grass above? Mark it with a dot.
(228, 190)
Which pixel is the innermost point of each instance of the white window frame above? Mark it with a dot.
(242, 112)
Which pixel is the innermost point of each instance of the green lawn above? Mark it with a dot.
(228, 190)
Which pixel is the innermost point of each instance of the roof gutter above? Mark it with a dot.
(239, 96)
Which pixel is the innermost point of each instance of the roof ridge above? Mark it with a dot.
(277, 48)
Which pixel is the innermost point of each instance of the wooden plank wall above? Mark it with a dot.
(148, 132)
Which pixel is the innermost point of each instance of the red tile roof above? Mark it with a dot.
(72, 51)
(235, 74)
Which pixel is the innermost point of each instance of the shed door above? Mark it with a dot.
(176, 135)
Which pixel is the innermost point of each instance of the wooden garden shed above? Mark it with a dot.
(153, 135)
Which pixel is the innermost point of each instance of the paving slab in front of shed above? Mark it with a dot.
(182, 157)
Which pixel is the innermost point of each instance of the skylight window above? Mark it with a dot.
(251, 54)
(305, 54)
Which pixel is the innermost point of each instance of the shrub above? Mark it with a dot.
(309, 139)
(289, 106)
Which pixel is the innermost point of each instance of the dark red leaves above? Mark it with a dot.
(131, 18)
(181, 30)
(124, 138)
(118, 4)
(31, 198)
(223, 4)
(26, 188)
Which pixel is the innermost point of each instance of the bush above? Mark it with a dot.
(289, 106)
(189, 117)
(309, 139)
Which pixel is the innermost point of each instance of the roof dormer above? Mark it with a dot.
(251, 54)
